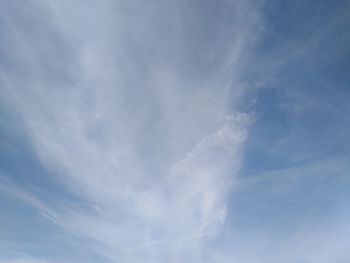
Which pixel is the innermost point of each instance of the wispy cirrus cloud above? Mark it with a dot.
(133, 107)
(133, 116)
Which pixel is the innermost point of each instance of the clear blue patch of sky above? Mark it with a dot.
(301, 103)
(301, 86)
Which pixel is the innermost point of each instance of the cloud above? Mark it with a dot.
(20, 194)
(133, 107)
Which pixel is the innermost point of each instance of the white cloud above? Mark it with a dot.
(133, 106)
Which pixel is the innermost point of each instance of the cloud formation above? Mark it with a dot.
(123, 125)
(132, 106)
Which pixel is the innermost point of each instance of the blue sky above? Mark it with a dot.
(174, 131)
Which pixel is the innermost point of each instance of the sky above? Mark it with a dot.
(174, 131)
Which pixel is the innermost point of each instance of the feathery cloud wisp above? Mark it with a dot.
(132, 106)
